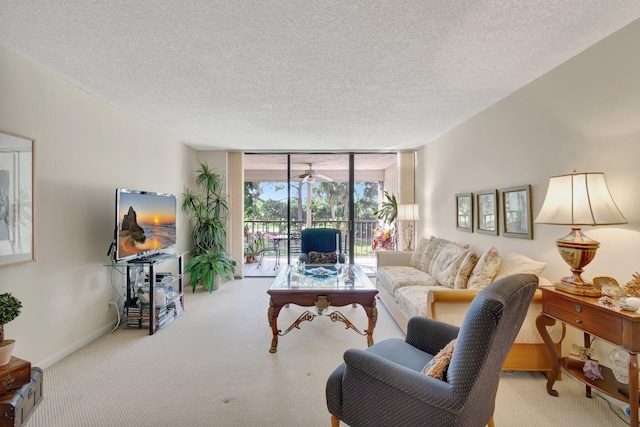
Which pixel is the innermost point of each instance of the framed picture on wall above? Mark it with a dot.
(464, 212)
(516, 212)
(16, 198)
(486, 212)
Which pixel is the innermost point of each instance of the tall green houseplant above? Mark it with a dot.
(208, 210)
(388, 213)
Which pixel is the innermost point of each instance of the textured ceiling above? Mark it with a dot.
(299, 75)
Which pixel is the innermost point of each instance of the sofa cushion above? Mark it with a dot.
(485, 270)
(462, 277)
(414, 300)
(519, 264)
(394, 277)
(446, 263)
(417, 254)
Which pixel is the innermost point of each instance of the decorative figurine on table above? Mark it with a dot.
(632, 288)
(591, 370)
(609, 287)
(582, 353)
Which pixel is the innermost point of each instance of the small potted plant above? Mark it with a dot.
(9, 309)
(254, 248)
(209, 268)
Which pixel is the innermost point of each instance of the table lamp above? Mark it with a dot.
(576, 200)
(407, 214)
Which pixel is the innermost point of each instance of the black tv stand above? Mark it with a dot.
(155, 320)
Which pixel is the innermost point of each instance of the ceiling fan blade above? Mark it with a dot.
(304, 175)
(324, 177)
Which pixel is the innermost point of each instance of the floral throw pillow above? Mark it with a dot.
(485, 270)
(416, 256)
(462, 277)
(446, 263)
(438, 366)
(322, 257)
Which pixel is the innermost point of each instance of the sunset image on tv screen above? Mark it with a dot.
(146, 222)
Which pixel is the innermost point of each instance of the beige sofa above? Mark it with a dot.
(440, 278)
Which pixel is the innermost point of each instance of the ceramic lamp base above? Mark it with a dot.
(577, 250)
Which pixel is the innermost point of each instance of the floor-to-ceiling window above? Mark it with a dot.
(286, 193)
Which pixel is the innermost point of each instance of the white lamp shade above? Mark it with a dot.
(408, 212)
(579, 199)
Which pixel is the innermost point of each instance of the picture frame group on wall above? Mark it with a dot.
(16, 199)
(507, 211)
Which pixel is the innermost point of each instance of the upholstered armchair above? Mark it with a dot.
(320, 240)
(386, 385)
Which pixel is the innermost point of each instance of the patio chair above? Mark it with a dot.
(269, 245)
(395, 383)
(322, 240)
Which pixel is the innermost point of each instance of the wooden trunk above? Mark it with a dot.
(17, 406)
(14, 374)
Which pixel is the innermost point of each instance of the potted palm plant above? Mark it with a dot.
(10, 308)
(387, 213)
(208, 210)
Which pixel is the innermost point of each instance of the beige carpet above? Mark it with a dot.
(212, 367)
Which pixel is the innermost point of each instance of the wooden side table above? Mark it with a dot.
(620, 328)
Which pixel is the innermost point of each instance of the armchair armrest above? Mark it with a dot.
(393, 258)
(433, 392)
(429, 335)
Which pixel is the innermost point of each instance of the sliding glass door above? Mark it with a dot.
(287, 193)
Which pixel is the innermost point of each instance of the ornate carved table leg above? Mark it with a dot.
(272, 315)
(372, 314)
(542, 322)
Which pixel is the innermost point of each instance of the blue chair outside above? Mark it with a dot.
(320, 240)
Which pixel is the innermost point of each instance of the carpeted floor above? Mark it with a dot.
(212, 367)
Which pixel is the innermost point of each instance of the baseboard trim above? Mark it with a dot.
(44, 364)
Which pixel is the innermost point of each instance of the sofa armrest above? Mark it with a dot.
(445, 295)
(451, 305)
(393, 258)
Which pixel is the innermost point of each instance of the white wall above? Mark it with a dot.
(583, 115)
(85, 149)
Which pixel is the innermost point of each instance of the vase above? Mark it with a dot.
(6, 351)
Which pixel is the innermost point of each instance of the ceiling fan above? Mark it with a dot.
(311, 175)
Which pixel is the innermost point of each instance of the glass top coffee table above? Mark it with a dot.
(322, 287)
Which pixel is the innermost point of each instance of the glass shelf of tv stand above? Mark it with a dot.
(152, 259)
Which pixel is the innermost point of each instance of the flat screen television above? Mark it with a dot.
(145, 224)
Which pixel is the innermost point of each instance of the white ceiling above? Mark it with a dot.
(328, 75)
